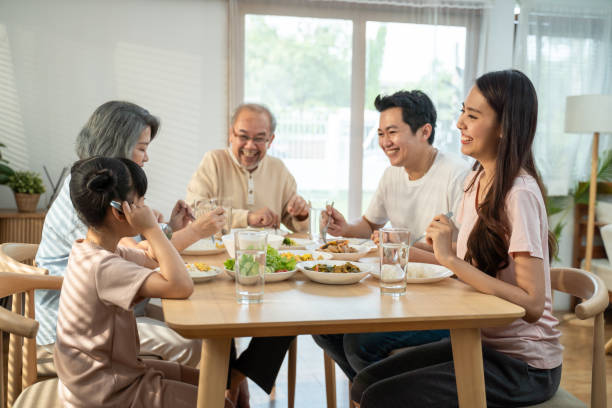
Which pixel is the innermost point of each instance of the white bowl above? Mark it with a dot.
(426, 273)
(274, 241)
(268, 277)
(349, 256)
(330, 278)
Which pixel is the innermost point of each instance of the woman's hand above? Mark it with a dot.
(139, 216)
(181, 215)
(439, 234)
(209, 223)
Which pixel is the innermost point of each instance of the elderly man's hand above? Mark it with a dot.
(264, 217)
(298, 207)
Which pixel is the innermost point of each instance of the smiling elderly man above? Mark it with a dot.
(262, 190)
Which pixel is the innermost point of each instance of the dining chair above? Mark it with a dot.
(594, 294)
(577, 282)
(22, 389)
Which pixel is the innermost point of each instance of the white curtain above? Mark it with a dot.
(420, 49)
(566, 49)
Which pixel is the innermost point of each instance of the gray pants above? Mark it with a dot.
(424, 376)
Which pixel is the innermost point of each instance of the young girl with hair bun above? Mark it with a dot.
(503, 248)
(96, 353)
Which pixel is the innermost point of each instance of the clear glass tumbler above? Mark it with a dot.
(394, 249)
(250, 265)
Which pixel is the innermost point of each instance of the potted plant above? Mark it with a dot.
(27, 187)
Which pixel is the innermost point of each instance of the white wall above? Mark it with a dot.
(59, 60)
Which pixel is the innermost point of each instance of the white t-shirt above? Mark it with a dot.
(412, 204)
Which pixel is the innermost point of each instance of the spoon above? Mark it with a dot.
(420, 237)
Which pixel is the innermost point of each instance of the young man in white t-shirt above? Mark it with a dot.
(421, 183)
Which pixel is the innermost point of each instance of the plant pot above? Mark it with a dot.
(26, 202)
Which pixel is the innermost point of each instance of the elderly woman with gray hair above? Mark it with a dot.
(116, 129)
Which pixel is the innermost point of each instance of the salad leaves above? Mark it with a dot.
(274, 262)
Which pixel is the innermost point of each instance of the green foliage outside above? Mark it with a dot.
(5, 170)
(26, 182)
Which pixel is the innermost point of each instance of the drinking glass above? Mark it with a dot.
(250, 265)
(394, 249)
(315, 224)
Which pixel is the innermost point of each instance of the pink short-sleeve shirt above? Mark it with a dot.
(97, 347)
(535, 343)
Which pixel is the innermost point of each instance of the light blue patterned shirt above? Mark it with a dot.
(62, 227)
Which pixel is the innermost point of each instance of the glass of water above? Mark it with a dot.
(204, 206)
(315, 224)
(250, 265)
(394, 249)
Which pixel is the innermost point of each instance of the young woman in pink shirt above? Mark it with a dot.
(503, 248)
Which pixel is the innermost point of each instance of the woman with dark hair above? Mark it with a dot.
(122, 130)
(503, 248)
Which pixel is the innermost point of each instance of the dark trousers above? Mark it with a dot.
(261, 360)
(424, 376)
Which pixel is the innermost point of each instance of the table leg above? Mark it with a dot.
(469, 373)
(214, 365)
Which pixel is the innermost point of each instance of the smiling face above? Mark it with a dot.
(250, 137)
(139, 153)
(403, 147)
(480, 128)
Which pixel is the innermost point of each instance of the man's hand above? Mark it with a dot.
(298, 207)
(264, 217)
(338, 225)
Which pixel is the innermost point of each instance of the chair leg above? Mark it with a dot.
(330, 380)
(609, 347)
(351, 402)
(291, 369)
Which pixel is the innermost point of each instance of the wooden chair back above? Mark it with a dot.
(18, 258)
(20, 326)
(591, 289)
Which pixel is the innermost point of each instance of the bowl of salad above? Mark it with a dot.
(278, 268)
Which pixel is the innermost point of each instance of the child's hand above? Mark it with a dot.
(440, 235)
(139, 216)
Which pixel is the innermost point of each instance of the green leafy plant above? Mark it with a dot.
(5, 170)
(26, 182)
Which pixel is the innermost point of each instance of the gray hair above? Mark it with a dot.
(254, 107)
(114, 129)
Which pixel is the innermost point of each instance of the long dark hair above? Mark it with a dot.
(94, 182)
(513, 97)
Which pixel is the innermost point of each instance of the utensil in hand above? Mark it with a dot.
(420, 237)
(324, 229)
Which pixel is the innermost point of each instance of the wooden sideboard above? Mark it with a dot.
(21, 227)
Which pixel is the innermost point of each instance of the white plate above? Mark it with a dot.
(316, 255)
(300, 243)
(334, 278)
(268, 277)
(432, 273)
(352, 256)
(203, 247)
(274, 241)
(199, 276)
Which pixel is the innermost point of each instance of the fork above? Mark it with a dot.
(420, 237)
(324, 229)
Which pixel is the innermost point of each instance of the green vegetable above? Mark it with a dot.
(248, 266)
(288, 242)
(274, 262)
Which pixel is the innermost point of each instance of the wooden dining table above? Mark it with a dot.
(299, 306)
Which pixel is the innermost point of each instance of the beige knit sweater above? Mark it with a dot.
(269, 185)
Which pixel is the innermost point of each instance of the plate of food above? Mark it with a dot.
(342, 250)
(296, 243)
(274, 241)
(426, 273)
(204, 246)
(335, 272)
(301, 255)
(278, 268)
(200, 272)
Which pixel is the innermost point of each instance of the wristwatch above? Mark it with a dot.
(167, 229)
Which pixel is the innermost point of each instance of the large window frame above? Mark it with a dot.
(359, 15)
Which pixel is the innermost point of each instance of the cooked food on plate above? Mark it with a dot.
(338, 247)
(300, 258)
(344, 268)
(274, 263)
(198, 266)
(289, 242)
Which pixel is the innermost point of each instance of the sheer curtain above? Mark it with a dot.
(318, 64)
(566, 49)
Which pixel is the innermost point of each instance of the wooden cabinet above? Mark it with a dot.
(21, 227)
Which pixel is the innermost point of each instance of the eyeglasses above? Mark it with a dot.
(259, 140)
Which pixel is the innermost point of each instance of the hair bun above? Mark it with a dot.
(102, 181)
